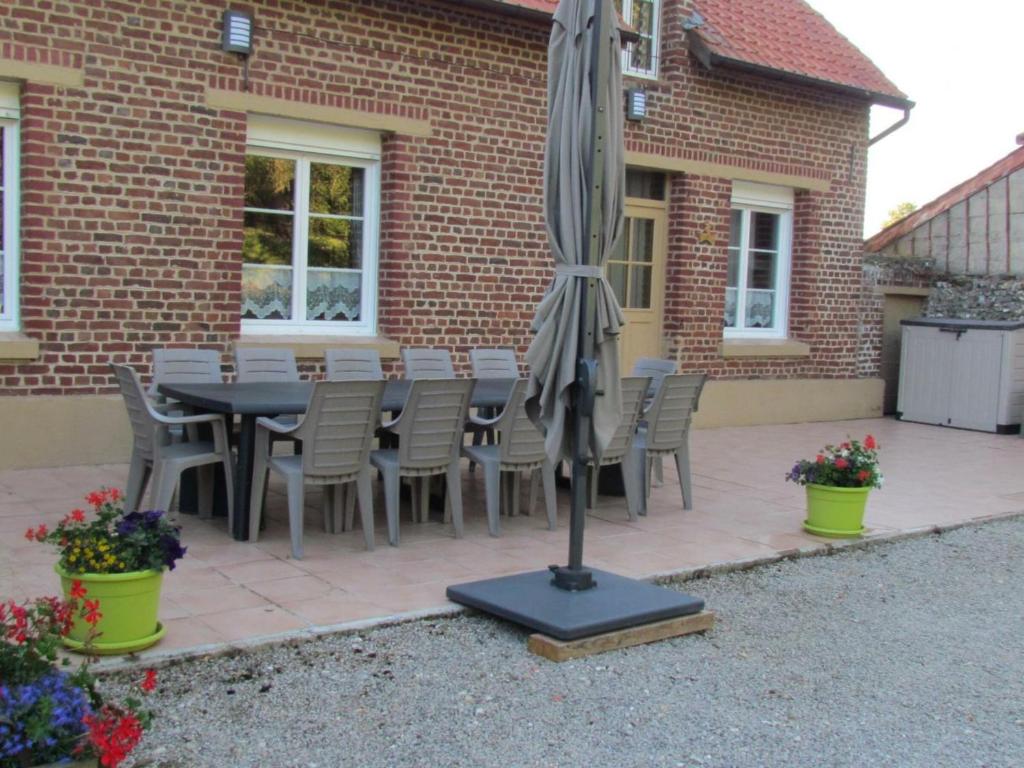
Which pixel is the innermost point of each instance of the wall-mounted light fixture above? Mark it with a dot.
(636, 104)
(237, 33)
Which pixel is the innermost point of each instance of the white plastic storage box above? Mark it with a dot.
(962, 373)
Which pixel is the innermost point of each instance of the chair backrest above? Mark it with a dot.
(669, 417)
(353, 365)
(520, 442)
(265, 365)
(494, 363)
(432, 423)
(184, 366)
(427, 363)
(655, 367)
(634, 390)
(144, 429)
(337, 431)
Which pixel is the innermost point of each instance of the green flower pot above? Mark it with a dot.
(129, 603)
(836, 513)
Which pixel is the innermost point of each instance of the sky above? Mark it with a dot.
(963, 66)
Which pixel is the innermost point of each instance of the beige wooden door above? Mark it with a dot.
(637, 276)
(897, 307)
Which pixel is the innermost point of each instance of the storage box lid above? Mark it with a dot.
(960, 324)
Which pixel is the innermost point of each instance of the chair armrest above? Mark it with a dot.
(276, 426)
(200, 418)
(476, 421)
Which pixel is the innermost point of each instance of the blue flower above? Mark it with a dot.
(42, 719)
(128, 524)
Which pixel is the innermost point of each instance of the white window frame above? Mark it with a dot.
(627, 53)
(307, 143)
(10, 315)
(749, 198)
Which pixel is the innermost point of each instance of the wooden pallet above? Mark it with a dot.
(563, 650)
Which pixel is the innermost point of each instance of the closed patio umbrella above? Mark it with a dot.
(574, 385)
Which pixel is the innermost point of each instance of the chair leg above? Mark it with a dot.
(454, 474)
(659, 472)
(365, 488)
(685, 481)
(547, 474)
(327, 506)
(629, 480)
(492, 483)
(138, 474)
(478, 439)
(534, 482)
(229, 487)
(259, 484)
(392, 497)
(350, 508)
(296, 502)
(164, 487)
(424, 499)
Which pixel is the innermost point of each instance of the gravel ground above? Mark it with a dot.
(906, 654)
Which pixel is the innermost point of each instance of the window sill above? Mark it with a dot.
(733, 348)
(18, 346)
(309, 347)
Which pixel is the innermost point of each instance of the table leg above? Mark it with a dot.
(243, 477)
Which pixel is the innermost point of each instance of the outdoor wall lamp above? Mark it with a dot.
(237, 32)
(636, 104)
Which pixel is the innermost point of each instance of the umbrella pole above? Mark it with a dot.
(575, 577)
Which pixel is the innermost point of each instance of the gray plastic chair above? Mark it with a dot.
(427, 363)
(494, 363)
(657, 368)
(184, 366)
(619, 450)
(337, 431)
(265, 365)
(353, 365)
(429, 433)
(520, 448)
(155, 457)
(668, 432)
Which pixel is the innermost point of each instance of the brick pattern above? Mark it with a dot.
(132, 187)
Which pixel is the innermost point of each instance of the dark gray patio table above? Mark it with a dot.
(250, 400)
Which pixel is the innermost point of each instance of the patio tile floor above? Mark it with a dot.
(226, 591)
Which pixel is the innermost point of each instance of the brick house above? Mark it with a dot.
(384, 160)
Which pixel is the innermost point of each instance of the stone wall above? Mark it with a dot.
(996, 297)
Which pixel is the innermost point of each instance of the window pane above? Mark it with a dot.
(735, 228)
(642, 16)
(762, 270)
(648, 185)
(764, 231)
(269, 183)
(732, 278)
(333, 295)
(335, 189)
(617, 280)
(266, 292)
(640, 288)
(268, 238)
(335, 243)
(730, 307)
(760, 309)
(641, 240)
(267, 266)
(640, 60)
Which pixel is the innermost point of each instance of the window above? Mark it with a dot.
(9, 207)
(311, 220)
(641, 58)
(757, 285)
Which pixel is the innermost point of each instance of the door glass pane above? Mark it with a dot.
(617, 280)
(335, 189)
(640, 287)
(641, 243)
(647, 185)
(267, 266)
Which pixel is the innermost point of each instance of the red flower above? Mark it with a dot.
(30, 534)
(842, 463)
(114, 493)
(820, 459)
(863, 475)
(77, 590)
(869, 443)
(96, 498)
(149, 684)
(77, 515)
(92, 612)
(113, 735)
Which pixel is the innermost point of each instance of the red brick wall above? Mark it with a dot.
(132, 187)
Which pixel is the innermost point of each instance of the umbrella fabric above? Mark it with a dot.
(553, 351)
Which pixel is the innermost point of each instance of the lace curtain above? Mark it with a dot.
(760, 306)
(331, 294)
